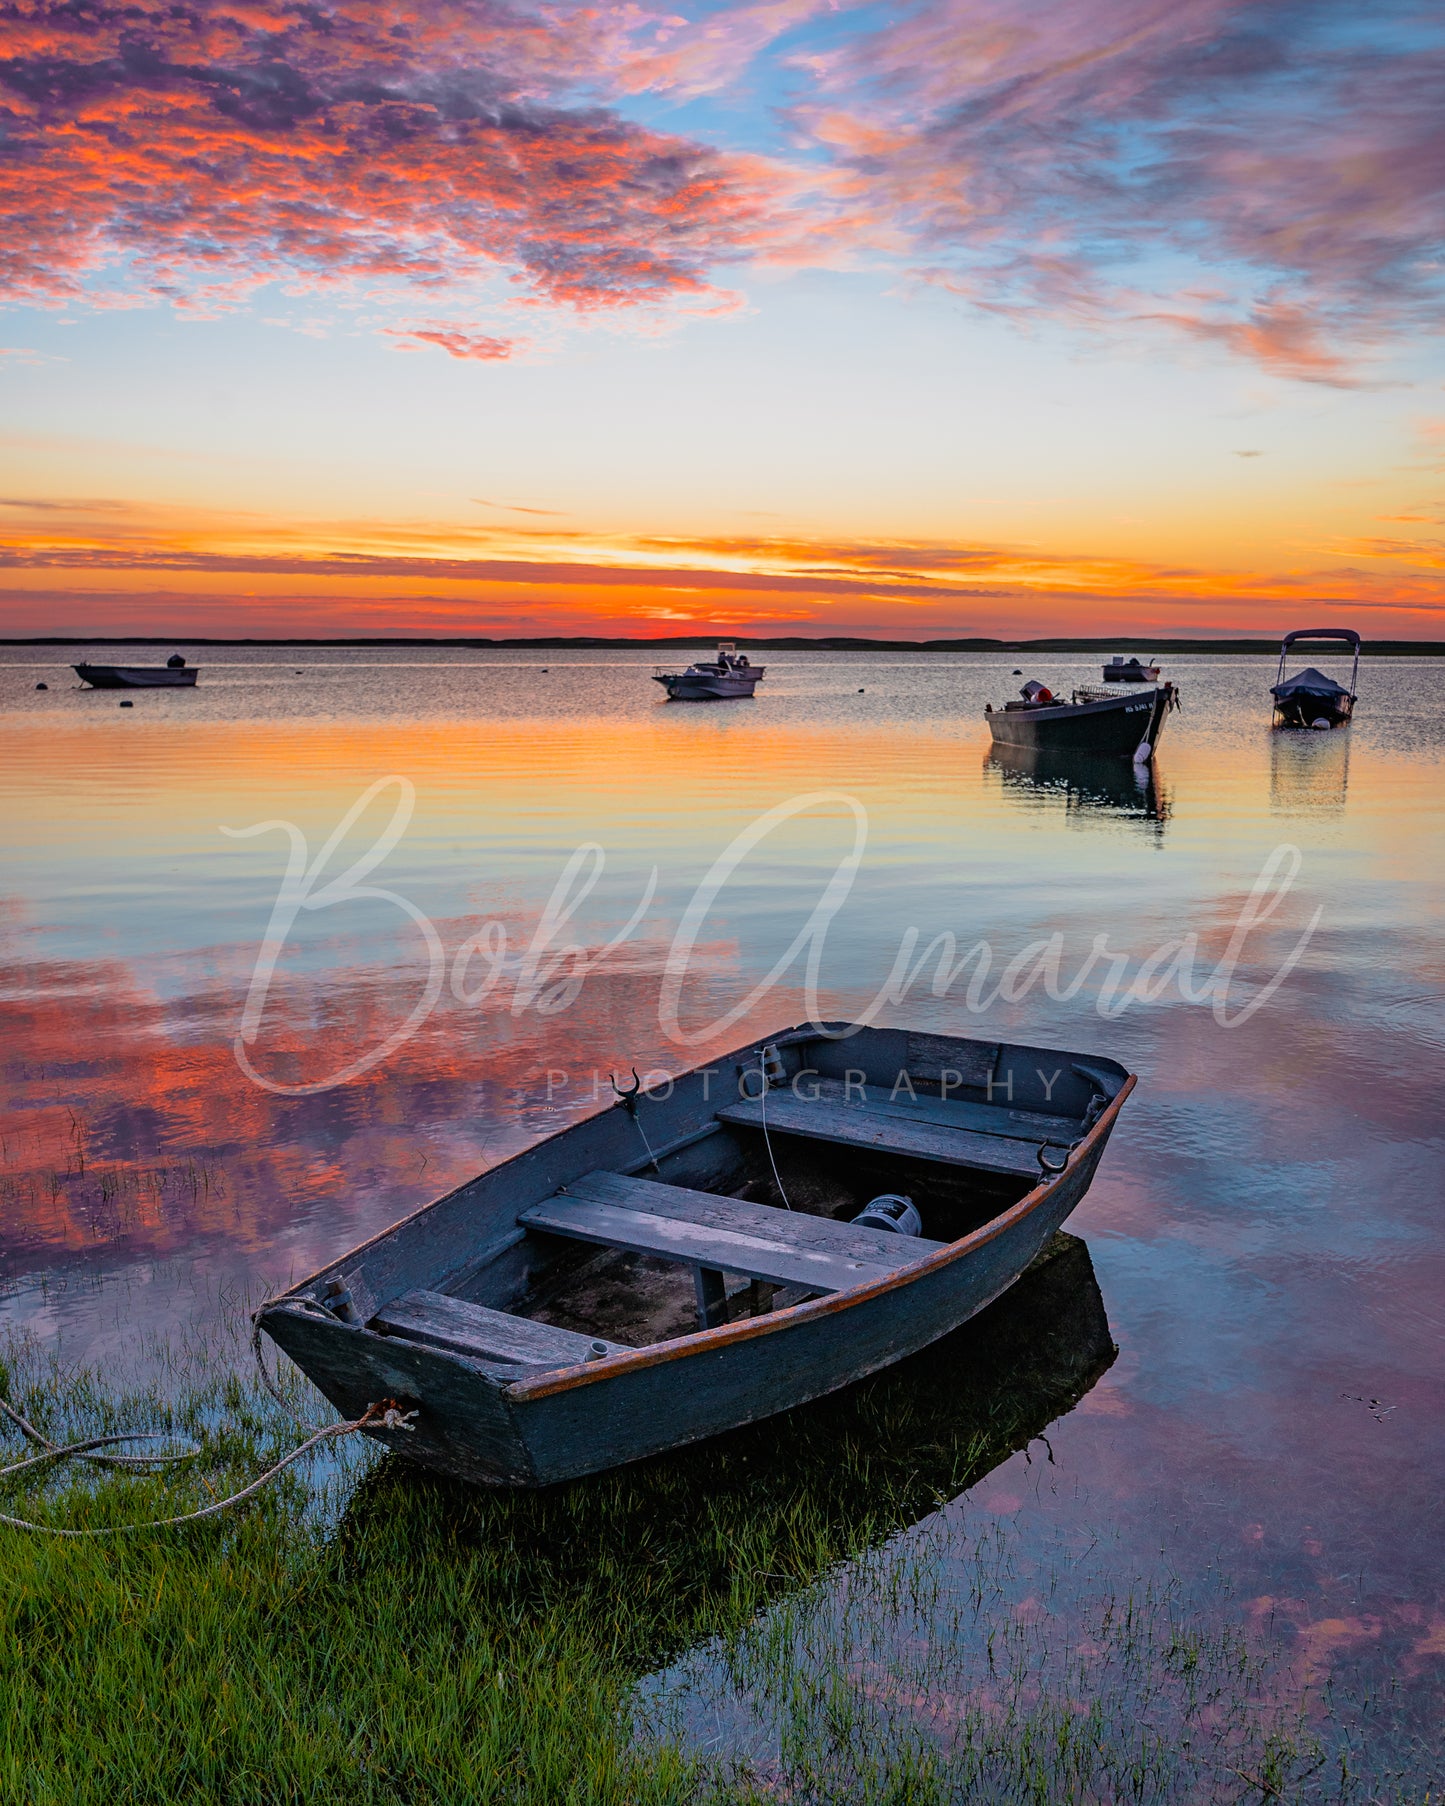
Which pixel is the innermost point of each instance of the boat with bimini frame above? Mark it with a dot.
(1310, 698)
(707, 1253)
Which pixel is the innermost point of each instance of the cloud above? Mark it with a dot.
(1092, 159)
(918, 586)
(195, 153)
(1266, 177)
(515, 507)
(1284, 339)
(454, 341)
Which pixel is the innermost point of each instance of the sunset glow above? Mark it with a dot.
(974, 317)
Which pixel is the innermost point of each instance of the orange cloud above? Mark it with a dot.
(267, 576)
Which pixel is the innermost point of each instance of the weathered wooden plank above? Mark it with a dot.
(950, 1112)
(879, 1131)
(965, 1062)
(712, 1297)
(788, 1228)
(702, 1245)
(485, 1334)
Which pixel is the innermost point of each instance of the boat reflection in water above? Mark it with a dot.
(692, 1544)
(1309, 774)
(1094, 790)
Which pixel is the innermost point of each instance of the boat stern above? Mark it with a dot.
(464, 1425)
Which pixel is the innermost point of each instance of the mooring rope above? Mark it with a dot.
(266, 1380)
(768, 1140)
(385, 1415)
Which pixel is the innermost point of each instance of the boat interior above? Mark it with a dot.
(750, 1209)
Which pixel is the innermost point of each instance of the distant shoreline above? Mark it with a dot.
(582, 643)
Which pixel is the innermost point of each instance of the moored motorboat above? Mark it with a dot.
(1121, 670)
(728, 675)
(689, 1261)
(1087, 721)
(174, 674)
(1310, 698)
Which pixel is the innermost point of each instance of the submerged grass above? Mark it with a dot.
(364, 1633)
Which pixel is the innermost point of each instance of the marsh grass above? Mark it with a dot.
(937, 1673)
(364, 1633)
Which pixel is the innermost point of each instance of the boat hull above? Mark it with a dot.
(1304, 710)
(1137, 674)
(135, 677)
(556, 1425)
(1118, 727)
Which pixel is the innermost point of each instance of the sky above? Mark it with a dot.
(940, 319)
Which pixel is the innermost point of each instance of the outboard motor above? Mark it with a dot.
(893, 1212)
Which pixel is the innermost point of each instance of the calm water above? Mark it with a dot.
(1266, 1227)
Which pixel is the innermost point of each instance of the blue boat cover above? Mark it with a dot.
(1309, 683)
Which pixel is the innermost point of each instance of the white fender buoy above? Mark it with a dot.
(1319, 721)
(1143, 753)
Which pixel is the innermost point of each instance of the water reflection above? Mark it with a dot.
(691, 1544)
(1309, 773)
(1266, 1223)
(1089, 791)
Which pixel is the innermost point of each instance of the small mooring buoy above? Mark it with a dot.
(127, 705)
(860, 689)
(42, 686)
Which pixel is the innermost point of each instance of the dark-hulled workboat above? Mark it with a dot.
(709, 1253)
(1103, 726)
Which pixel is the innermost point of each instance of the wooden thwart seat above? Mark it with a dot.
(950, 1112)
(926, 1128)
(716, 1235)
(485, 1334)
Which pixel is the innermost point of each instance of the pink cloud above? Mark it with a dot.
(1284, 339)
(454, 341)
(1093, 161)
(196, 153)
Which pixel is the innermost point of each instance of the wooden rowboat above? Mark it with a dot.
(685, 1263)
